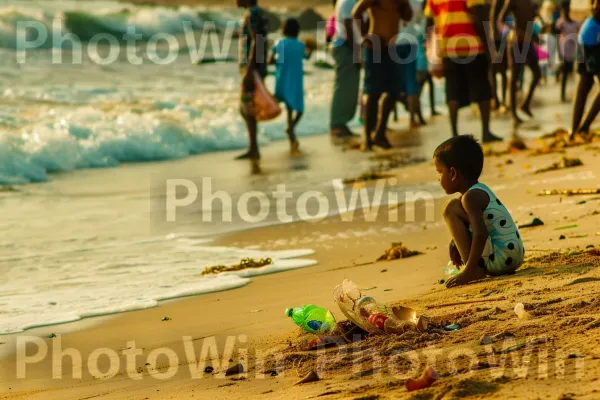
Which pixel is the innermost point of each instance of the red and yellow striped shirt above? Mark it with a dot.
(454, 27)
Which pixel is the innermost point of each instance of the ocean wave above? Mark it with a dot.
(90, 138)
(146, 22)
(101, 285)
(10, 18)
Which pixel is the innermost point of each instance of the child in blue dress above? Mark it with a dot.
(289, 54)
(485, 239)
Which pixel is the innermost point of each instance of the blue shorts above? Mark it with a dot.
(407, 53)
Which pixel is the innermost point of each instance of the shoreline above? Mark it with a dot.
(338, 258)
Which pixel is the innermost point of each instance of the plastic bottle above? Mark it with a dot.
(367, 306)
(378, 320)
(450, 270)
(312, 318)
(520, 311)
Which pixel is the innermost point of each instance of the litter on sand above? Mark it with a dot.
(373, 317)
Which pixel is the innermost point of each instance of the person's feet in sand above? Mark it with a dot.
(526, 108)
(581, 136)
(342, 135)
(517, 121)
(382, 142)
(435, 113)
(366, 147)
(490, 138)
(466, 277)
(250, 155)
(295, 149)
(256, 170)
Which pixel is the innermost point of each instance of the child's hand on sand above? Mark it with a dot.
(455, 255)
(465, 277)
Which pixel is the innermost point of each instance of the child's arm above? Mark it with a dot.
(473, 202)
(357, 12)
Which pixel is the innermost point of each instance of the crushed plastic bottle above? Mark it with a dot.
(312, 318)
(450, 270)
(367, 306)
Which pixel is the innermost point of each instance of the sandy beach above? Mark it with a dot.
(558, 285)
(87, 239)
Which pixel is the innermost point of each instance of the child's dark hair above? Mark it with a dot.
(464, 153)
(291, 28)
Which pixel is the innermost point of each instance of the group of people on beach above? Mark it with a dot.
(468, 42)
(485, 239)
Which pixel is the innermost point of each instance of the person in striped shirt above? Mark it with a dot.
(461, 41)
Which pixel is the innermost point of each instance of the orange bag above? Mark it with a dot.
(265, 104)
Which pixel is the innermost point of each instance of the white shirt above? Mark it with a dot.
(343, 11)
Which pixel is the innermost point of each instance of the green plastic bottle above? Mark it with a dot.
(312, 318)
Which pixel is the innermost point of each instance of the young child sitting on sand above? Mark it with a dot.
(289, 54)
(485, 239)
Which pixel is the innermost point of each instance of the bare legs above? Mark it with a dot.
(413, 109)
(516, 71)
(563, 84)
(485, 108)
(584, 86)
(504, 86)
(534, 66)
(251, 124)
(453, 108)
(370, 103)
(458, 224)
(386, 103)
(291, 130)
(517, 68)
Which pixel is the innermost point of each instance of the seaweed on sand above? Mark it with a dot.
(244, 264)
(366, 177)
(397, 251)
(515, 145)
(562, 164)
